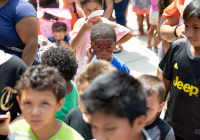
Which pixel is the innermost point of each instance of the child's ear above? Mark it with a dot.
(161, 106)
(18, 100)
(60, 104)
(139, 123)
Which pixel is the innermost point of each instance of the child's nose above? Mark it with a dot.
(35, 111)
(189, 32)
(103, 50)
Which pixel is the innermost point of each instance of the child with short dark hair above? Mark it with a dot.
(116, 103)
(181, 75)
(80, 35)
(103, 41)
(64, 59)
(59, 37)
(156, 127)
(78, 118)
(41, 91)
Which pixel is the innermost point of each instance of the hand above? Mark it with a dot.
(4, 126)
(180, 31)
(63, 43)
(89, 52)
(87, 25)
(118, 1)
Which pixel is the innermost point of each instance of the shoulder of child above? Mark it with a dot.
(120, 65)
(167, 132)
(70, 133)
(179, 43)
(22, 123)
(20, 129)
(78, 23)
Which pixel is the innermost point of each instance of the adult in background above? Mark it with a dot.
(46, 4)
(18, 29)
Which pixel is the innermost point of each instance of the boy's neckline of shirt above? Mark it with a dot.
(153, 124)
(110, 62)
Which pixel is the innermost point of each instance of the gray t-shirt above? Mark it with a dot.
(160, 130)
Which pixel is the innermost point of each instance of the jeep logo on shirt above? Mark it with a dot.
(186, 87)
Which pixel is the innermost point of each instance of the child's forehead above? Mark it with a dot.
(103, 40)
(34, 94)
(60, 32)
(104, 119)
(153, 97)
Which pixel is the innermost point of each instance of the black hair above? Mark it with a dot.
(192, 9)
(162, 4)
(116, 93)
(42, 78)
(63, 59)
(102, 31)
(59, 26)
(83, 2)
(153, 85)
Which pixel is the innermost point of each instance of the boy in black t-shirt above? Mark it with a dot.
(11, 68)
(78, 117)
(155, 127)
(181, 72)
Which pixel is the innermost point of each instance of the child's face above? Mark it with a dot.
(86, 116)
(153, 107)
(90, 7)
(59, 35)
(103, 48)
(192, 31)
(110, 127)
(39, 107)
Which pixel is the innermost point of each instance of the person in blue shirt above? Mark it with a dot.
(19, 29)
(59, 37)
(103, 41)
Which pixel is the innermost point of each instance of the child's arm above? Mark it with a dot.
(167, 86)
(76, 41)
(125, 38)
(168, 27)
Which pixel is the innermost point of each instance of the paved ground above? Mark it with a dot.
(138, 58)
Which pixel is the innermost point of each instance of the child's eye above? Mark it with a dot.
(196, 27)
(108, 47)
(45, 103)
(27, 103)
(110, 129)
(98, 47)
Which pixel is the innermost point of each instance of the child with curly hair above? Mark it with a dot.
(64, 60)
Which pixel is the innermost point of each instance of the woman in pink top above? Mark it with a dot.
(80, 36)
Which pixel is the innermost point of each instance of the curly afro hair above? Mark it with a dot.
(63, 59)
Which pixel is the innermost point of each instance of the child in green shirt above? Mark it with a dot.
(64, 59)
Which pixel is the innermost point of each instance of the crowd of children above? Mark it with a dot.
(81, 91)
